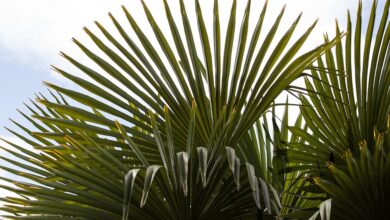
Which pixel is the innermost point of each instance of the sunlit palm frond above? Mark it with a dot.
(246, 89)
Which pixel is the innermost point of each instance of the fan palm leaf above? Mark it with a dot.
(348, 96)
(347, 99)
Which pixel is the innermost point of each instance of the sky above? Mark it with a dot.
(33, 32)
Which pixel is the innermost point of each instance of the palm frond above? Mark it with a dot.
(348, 96)
(365, 178)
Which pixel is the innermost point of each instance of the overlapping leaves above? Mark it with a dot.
(365, 178)
(348, 99)
(348, 96)
(136, 118)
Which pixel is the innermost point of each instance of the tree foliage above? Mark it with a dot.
(185, 127)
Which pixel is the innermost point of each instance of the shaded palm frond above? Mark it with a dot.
(366, 178)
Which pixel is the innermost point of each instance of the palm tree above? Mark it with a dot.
(346, 111)
(154, 133)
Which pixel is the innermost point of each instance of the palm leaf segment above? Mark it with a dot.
(85, 157)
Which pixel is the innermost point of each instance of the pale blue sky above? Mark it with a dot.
(32, 33)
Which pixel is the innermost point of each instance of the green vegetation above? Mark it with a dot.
(185, 128)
